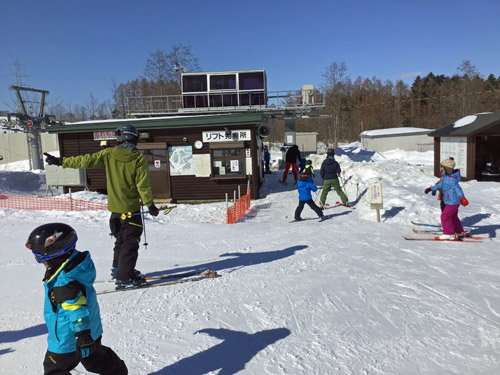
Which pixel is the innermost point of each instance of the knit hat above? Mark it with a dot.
(448, 165)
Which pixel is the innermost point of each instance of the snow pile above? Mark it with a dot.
(345, 296)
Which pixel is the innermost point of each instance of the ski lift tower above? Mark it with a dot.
(32, 125)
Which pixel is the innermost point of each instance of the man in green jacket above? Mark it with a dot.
(127, 176)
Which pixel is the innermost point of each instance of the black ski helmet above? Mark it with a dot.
(126, 132)
(330, 152)
(50, 241)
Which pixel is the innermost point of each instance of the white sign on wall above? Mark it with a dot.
(220, 136)
(455, 147)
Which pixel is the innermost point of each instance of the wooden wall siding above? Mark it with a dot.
(182, 187)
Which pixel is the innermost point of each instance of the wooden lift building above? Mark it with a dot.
(199, 145)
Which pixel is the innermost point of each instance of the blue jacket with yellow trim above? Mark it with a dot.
(71, 303)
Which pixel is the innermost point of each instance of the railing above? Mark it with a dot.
(238, 209)
(38, 203)
(301, 100)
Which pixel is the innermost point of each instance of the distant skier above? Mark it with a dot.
(291, 157)
(302, 165)
(308, 170)
(267, 160)
(330, 172)
(127, 176)
(453, 196)
(71, 310)
(305, 187)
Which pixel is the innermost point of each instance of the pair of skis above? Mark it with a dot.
(164, 280)
(436, 230)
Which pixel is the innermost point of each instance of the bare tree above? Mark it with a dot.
(335, 85)
(162, 68)
(91, 105)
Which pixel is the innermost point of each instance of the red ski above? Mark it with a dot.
(437, 239)
(470, 236)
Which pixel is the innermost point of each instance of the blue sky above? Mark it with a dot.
(74, 48)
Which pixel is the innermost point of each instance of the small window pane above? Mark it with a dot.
(223, 82)
(195, 101)
(194, 83)
(252, 81)
(252, 98)
(228, 167)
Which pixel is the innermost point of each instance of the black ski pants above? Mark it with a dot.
(103, 361)
(127, 239)
(311, 204)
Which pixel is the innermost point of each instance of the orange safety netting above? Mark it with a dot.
(238, 209)
(38, 203)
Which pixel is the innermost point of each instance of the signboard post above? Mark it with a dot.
(376, 201)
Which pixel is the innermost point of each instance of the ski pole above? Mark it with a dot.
(144, 226)
(317, 194)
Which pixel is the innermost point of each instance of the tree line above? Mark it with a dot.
(432, 102)
(351, 106)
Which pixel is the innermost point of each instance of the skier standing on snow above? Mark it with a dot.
(305, 187)
(71, 310)
(267, 160)
(453, 196)
(291, 157)
(308, 170)
(127, 176)
(330, 172)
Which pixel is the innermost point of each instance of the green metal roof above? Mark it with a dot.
(474, 126)
(160, 122)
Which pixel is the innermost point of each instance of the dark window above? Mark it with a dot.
(157, 159)
(195, 83)
(252, 81)
(228, 162)
(195, 101)
(223, 82)
(252, 98)
(223, 100)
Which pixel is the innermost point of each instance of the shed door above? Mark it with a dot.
(157, 157)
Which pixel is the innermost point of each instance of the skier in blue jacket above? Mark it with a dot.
(453, 196)
(71, 310)
(305, 187)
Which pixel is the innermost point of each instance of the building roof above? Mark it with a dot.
(394, 132)
(171, 122)
(477, 124)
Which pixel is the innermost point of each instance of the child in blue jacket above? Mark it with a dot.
(453, 196)
(71, 310)
(267, 160)
(305, 187)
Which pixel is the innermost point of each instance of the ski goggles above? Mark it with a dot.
(40, 258)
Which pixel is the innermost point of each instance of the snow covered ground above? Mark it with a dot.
(345, 296)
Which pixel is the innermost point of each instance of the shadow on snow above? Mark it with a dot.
(237, 260)
(230, 356)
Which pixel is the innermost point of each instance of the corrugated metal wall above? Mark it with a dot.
(14, 146)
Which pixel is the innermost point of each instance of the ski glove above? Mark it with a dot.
(153, 210)
(464, 201)
(428, 190)
(84, 343)
(52, 160)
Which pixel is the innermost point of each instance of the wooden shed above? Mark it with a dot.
(474, 142)
(191, 158)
